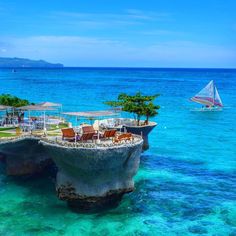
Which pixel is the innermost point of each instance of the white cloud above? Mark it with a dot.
(159, 32)
(86, 51)
(104, 20)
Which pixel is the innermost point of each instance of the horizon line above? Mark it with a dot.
(119, 67)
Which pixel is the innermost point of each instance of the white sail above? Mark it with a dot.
(217, 100)
(206, 95)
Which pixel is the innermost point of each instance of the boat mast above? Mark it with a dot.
(213, 93)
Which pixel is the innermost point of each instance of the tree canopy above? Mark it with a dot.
(13, 101)
(138, 104)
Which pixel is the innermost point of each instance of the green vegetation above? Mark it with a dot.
(7, 128)
(6, 135)
(138, 104)
(60, 126)
(13, 101)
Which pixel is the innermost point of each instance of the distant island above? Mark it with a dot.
(23, 62)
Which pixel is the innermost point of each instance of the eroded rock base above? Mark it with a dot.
(79, 203)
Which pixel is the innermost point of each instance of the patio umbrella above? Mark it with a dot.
(91, 114)
(49, 104)
(37, 108)
(52, 104)
(3, 107)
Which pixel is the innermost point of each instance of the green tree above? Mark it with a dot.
(150, 110)
(13, 101)
(138, 104)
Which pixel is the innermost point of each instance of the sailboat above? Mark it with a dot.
(209, 97)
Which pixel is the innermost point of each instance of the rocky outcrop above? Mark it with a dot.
(91, 177)
(143, 130)
(24, 156)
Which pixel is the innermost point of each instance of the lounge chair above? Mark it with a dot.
(88, 129)
(68, 134)
(86, 136)
(123, 137)
(109, 134)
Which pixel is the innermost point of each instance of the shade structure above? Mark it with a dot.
(3, 107)
(37, 108)
(91, 114)
(49, 104)
(52, 105)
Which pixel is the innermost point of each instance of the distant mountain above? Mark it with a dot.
(22, 62)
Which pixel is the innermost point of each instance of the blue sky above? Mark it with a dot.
(151, 33)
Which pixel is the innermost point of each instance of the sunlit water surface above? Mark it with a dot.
(186, 184)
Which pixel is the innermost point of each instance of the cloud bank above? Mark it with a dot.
(88, 51)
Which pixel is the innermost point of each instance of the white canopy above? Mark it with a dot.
(90, 114)
(3, 107)
(35, 108)
(49, 104)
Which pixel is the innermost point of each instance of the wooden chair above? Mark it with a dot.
(88, 129)
(109, 133)
(86, 136)
(68, 133)
(123, 137)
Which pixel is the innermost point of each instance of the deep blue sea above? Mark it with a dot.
(186, 183)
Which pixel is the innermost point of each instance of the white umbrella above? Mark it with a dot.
(92, 114)
(52, 104)
(37, 108)
(3, 107)
(49, 104)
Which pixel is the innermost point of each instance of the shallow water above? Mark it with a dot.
(186, 184)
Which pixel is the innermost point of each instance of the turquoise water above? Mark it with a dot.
(186, 184)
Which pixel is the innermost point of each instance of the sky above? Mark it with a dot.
(123, 33)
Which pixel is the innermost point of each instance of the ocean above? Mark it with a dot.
(186, 183)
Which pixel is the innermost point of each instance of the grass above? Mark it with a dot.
(53, 134)
(52, 128)
(5, 135)
(60, 126)
(7, 128)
